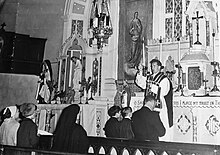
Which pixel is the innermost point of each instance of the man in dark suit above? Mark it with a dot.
(146, 123)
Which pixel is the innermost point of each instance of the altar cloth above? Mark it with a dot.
(196, 119)
(91, 116)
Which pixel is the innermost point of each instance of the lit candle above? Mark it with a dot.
(160, 55)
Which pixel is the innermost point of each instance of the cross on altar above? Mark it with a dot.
(197, 27)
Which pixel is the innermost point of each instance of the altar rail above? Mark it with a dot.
(113, 146)
(101, 145)
(13, 150)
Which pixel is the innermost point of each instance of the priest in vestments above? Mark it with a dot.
(159, 85)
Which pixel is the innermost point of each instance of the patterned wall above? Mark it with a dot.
(77, 27)
(187, 20)
(168, 27)
(169, 6)
(207, 33)
(177, 18)
(173, 23)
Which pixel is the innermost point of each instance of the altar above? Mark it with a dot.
(92, 117)
(196, 119)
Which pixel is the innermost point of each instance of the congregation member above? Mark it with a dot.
(146, 123)
(112, 126)
(9, 126)
(158, 85)
(27, 131)
(125, 125)
(69, 136)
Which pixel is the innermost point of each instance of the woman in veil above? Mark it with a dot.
(69, 136)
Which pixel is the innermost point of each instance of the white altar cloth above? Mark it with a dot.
(196, 119)
(92, 117)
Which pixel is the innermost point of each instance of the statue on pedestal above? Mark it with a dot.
(169, 68)
(76, 75)
(45, 83)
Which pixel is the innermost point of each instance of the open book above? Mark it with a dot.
(42, 132)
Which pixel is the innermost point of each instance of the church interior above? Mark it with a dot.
(91, 50)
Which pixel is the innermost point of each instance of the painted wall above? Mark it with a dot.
(12, 89)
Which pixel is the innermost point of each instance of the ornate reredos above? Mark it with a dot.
(68, 43)
(199, 6)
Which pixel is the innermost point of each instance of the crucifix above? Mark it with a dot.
(197, 27)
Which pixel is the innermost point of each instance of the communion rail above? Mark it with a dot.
(101, 145)
(14, 150)
(111, 146)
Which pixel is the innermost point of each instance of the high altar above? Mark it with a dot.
(196, 100)
(183, 35)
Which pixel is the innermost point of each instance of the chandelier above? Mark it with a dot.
(100, 22)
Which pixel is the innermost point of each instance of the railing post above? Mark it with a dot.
(33, 153)
(1, 150)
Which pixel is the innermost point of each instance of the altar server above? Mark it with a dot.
(125, 127)
(158, 85)
(112, 126)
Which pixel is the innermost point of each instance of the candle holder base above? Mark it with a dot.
(214, 89)
(91, 98)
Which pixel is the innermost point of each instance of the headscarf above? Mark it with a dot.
(12, 109)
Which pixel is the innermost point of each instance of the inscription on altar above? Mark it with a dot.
(197, 103)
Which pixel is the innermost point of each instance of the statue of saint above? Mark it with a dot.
(135, 32)
(45, 83)
(169, 68)
(77, 75)
(77, 70)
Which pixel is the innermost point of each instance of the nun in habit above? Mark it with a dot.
(69, 136)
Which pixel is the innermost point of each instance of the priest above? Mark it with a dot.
(159, 85)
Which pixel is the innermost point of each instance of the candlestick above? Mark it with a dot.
(178, 39)
(160, 55)
(144, 59)
(213, 37)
